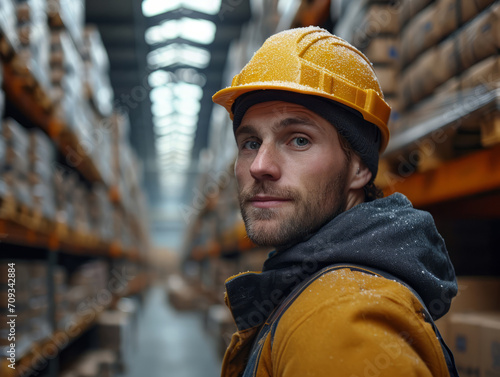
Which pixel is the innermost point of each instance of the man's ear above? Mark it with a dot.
(360, 174)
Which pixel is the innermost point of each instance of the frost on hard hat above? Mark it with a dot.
(312, 61)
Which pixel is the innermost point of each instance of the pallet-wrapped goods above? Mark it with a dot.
(434, 23)
(97, 83)
(9, 39)
(68, 15)
(34, 39)
(101, 213)
(452, 14)
(378, 19)
(65, 182)
(16, 166)
(383, 50)
(410, 8)
(41, 175)
(388, 78)
(80, 199)
(476, 41)
(67, 76)
(32, 323)
(421, 33)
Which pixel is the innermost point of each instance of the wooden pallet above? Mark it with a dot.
(40, 223)
(469, 135)
(7, 51)
(11, 209)
(22, 85)
(490, 129)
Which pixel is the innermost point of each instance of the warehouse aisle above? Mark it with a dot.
(171, 343)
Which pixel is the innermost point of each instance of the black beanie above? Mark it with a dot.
(363, 136)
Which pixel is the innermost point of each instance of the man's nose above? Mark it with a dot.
(265, 165)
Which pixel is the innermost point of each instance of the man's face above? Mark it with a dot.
(292, 173)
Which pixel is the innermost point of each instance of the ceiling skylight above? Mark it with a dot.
(185, 90)
(181, 119)
(176, 59)
(190, 29)
(173, 142)
(152, 8)
(178, 53)
(162, 77)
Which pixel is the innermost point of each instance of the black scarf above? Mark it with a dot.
(387, 234)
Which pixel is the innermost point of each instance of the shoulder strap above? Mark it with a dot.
(276, 315)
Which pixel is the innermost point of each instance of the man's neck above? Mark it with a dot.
(355, 197)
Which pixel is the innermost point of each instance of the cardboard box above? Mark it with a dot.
(475, 343)
(486, 73)
(477, 293)
(452, 14)
(409, 8)
(396, 111)
(465, 343)
(449, 60)
(435, 23)
(383, 50)
(489, 359)
(481, 38)
(475, 42)
(420, 33)
(388, 78)
(419, 80)
(449, 88)
(379, 19)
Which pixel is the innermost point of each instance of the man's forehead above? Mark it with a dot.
(277, 107)
(278, 115)
(275, 112)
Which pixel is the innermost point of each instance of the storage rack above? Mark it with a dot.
(28, 238)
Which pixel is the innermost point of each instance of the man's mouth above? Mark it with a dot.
(265, 201)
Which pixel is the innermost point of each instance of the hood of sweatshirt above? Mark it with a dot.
(387, 234)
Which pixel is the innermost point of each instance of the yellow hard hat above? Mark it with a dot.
(312, 61)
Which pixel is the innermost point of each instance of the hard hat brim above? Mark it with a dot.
(226, 97)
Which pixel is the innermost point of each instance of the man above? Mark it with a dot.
(339, 294)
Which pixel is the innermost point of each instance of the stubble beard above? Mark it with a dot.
(291, 225)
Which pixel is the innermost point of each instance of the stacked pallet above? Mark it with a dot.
(41, 157)
(449, 63)
(34, 37)
(9, 40)
(378, 38)
(31, 303)
(15, 165)
(58, 77)
(442, 41)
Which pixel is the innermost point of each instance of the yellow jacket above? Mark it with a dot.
(345, 323)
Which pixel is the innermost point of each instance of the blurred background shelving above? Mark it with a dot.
(117, 195)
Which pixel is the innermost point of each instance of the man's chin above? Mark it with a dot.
(262, 232)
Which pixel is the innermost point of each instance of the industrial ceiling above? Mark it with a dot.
(122, 26)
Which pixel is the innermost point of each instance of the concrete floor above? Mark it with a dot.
(171, 343)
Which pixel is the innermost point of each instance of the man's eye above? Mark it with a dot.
(300, 141)
(252, 144)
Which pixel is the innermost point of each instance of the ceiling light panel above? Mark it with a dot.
(183, 120)
(190, 29)
(178, 53)
(152, 8)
